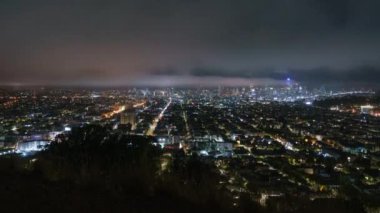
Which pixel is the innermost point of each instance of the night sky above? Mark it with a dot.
(189, 42)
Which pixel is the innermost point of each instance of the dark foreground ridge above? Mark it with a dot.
(98, 170)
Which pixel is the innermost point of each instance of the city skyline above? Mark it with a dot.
(264, 106)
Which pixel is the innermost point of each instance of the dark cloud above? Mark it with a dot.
(234, 73)
(166, 72)
(319, 76)
(337, 11)
(49, 41)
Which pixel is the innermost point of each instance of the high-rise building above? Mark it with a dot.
(366, 109)
(220, 90)
(129, 117)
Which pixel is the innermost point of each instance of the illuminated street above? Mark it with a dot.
(153, 126)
